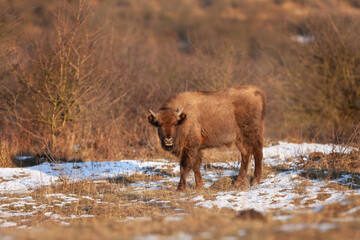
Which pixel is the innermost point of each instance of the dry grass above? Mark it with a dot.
(117, 208)
(111, 217)
(148, 50)
(336, 162)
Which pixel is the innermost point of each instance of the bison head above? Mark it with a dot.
(167, 122)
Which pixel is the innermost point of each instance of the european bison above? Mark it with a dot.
(189, 122)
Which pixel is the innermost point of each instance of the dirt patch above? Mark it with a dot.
(349, 179)
(127, 180)
(315, 156)
(323, 196)
(251, 214)
(332, 162)
(224, 184)
(33, 160)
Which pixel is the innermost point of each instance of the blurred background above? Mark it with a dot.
(77, 78)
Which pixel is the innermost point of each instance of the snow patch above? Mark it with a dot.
(322, 227)
(8, 224)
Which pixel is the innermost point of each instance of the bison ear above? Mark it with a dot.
(152, 120)
(182, 119)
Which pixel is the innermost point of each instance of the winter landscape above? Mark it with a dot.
(293, 197)
(101, 100)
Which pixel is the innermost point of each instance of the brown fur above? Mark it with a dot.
(213, 119)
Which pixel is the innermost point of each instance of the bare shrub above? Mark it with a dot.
(146, 51)
(323, 85)
(220, 67)
(61, 83)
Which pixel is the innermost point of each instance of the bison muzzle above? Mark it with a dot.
(189, 122)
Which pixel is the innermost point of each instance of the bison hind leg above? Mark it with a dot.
(242, 180)
(258, 156)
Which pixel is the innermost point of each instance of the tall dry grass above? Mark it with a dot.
(322, 84)
(135, 54)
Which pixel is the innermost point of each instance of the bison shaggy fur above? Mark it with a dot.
(189, 122)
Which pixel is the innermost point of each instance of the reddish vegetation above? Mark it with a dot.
(189, 122)
(77, 77)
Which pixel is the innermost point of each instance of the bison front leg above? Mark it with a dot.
(185, 167)
(184, 172)
(197, 173)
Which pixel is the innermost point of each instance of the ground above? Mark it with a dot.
(303, 194)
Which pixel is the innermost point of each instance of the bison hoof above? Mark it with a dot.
(242, 184)
(180, 189)
(256, 181)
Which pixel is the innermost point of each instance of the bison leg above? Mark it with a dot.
(184, 172)
(197, 173)
(185, 167)
(258, 155)
(245, 163)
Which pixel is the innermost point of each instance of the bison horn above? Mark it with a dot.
(152, 113)
(179, 111)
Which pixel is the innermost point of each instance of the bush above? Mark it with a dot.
(62, 83)
(83, 79)
(323, 85)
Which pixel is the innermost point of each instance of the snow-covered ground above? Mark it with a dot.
(276, 191)
(15, 180)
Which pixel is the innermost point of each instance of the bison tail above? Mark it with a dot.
(263, 98)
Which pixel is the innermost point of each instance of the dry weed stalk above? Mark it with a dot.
(62, 82)
(65, 83)
(323, 81)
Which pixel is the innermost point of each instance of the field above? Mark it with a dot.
(79, 159)
(85, 73)
(137, 198)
